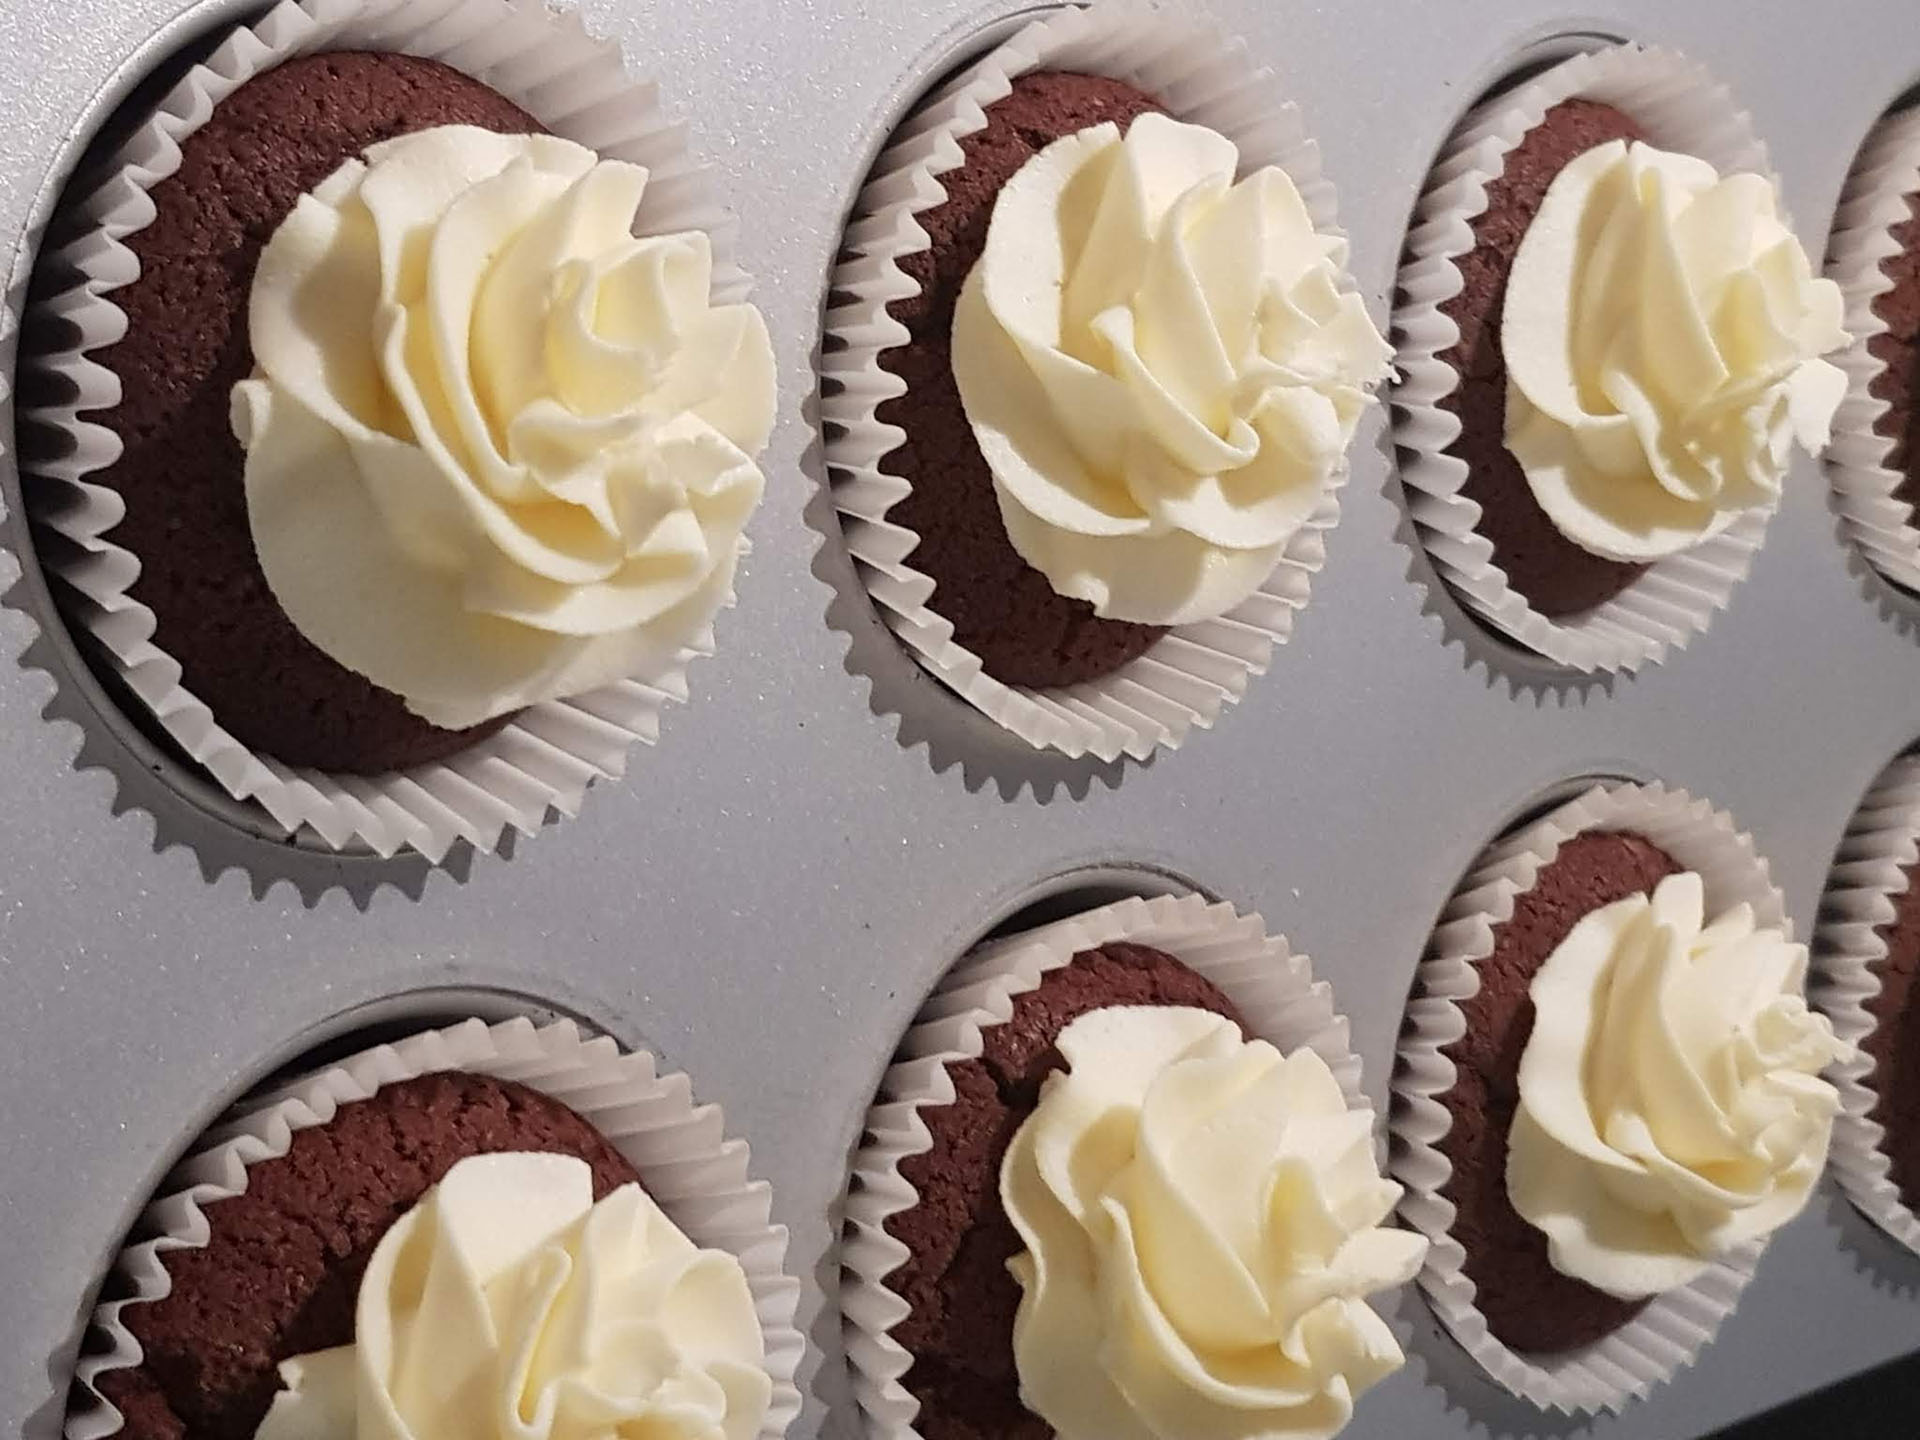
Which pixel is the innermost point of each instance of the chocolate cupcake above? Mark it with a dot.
(1588, 491)
(1874, 256)
(1867, 980)
(1054, 518)
(405, 562)
(1628, 930)
(965, 1317)
(318, 1220)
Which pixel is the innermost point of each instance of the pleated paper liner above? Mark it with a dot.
(1866, 485)
(1185, 680)
(1273, 989)
(698, 1176)
(1680, 107)
(1869, 875)
(1677, 1324)
(547, 756)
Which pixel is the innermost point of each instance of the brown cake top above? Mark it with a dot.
(281, 1270)
(1529, 1305)
(963, 1300)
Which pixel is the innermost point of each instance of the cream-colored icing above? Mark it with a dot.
(508, 1305)
(499, 450)
(1661, 334)
(1671, 1105)
(1160, 367)
(1202, 1220)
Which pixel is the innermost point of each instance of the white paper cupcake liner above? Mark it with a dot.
(698, 1176)
(1272, 987)
(1872, 516)
(1681, 107)
(1194, 671)
(549, 754)
(1869, 874)
(1677, 1324)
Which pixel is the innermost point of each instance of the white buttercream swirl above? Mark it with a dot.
(1671, 1105)
(1202, 1219)
(499, 450)
(508, 1305)
(1661, 335)
(1160, 366)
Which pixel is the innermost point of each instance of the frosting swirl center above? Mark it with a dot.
(1202, 1219)
(1159, 366)
(1662, 336)
(508, 1305)
(1671, 1105)
(499, 449)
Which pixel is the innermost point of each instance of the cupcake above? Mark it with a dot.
(1612, 342)
(1867, 978)
(1089, 528)
(381, 1248)
(408, 451)
(1609, 1094)
(1063, 1219)
(1875, 258)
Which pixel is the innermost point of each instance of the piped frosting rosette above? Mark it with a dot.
(674, 1254)
(1867, 486)
(509, 505)
(1200, 1093)
(1870, 875)
(1167, 448)
(1704, 982)
(1662, 334)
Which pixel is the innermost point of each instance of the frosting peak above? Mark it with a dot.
(1661, 334)
(1671, 1105)
(1160, 367)
(1203, 1218)
(507, 1305)
(499, 450)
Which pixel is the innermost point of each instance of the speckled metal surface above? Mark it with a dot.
(768, 895)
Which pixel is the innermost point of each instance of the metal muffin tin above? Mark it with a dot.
(768, 895)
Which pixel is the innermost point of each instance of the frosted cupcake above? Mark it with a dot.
(424, 422)
(413, 1243)
(1611, 1089)
(1096, 1201)
(1101, 367)
(1613, 350)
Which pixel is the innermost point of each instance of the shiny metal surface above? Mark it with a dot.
(768, 895)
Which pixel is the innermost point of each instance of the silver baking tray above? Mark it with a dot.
(822, 830)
